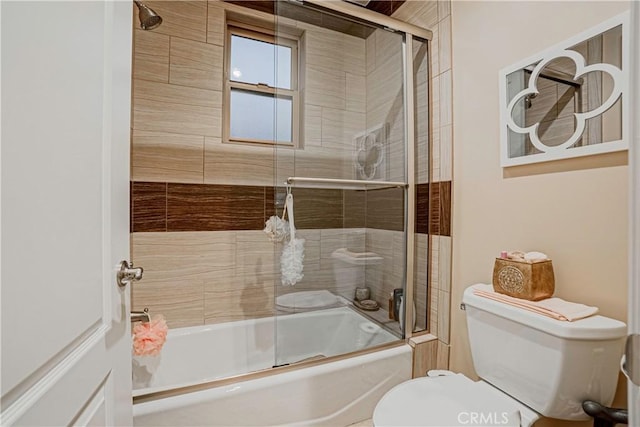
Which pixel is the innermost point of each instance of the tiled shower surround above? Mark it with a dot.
(199, 205)
(206, 263)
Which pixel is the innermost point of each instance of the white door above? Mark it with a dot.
(633, 345)
(66, 351)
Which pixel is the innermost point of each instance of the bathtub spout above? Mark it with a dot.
(141, 316)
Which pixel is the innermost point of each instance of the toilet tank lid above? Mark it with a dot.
(589, 328)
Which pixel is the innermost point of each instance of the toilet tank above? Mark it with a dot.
(549, 365)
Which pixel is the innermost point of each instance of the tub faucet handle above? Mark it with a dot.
(128, 273)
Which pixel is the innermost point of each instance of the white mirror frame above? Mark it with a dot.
(563, 151)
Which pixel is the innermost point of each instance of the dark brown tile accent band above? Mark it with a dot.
(422, 208)
(440, 208)
(385, 209)
(355, 208)
(203, 207)
(195, 207)
(317, 208)
(314, 208)
(382, 209)
(148, 206)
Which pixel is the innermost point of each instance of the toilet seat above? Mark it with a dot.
(450, 400)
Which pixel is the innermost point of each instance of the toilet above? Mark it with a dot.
(529, 366)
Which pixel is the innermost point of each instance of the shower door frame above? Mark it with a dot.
(408, 32)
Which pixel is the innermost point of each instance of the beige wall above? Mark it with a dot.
(575, 211)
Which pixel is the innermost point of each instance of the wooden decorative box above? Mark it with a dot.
(530, 281)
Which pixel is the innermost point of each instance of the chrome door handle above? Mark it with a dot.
(127, 274)
(630, 364)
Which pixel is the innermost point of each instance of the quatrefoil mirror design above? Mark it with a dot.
(568, 101)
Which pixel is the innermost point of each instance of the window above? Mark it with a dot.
(261, 88)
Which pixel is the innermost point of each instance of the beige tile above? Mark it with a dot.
(435, 154)
(312, 126)
(444, 263)
(184, 255)
(325, 87)
(176, 109)
(434, 54)
(446, 106)
(446, 153)
(370, 49)
(567, 101)
(419, 12)
(215, 23)
(323, 164)
(424, 358)
(339, 127)
(444, 51)
(163, 93)
(284, 161)
(444, 8)
(185, 19)
(196, 64)
(444, 307)
(434, 108)
(388, 44)
(181, 302)
(238, 299)
(544, 107)
(434, 248)
(422, 133)
(356, 93)
(443, 356)
(256, 255)
(398, 245)
(385, 83)
(162, 157)
(421, 281)
(337, 51)
(239, 164)
(557, 131)
(311, 248)
(151, 56)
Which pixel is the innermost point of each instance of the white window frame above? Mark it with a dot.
(268, 36)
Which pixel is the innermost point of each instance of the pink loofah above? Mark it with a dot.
(148, 338)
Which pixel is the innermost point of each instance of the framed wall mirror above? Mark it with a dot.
(569, 100)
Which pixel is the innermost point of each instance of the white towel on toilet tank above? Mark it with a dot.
(291, 260)
(555, 308)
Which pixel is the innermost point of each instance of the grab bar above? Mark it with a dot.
(141, 316)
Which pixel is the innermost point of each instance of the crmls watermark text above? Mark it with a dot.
(483, 418)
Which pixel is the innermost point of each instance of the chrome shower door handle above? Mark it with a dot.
(128, 273)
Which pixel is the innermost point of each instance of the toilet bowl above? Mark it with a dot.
(450, 399)
(529, 366)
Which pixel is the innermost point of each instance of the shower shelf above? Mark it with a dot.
(355, 184)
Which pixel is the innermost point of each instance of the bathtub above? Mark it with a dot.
(340, 392)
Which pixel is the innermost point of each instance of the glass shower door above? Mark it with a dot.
(349, 221)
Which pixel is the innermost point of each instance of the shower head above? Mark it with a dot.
(149, 19)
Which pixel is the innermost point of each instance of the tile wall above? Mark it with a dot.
(206, 263)
(436, 180)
